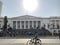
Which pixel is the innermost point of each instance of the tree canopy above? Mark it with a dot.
(5, 23)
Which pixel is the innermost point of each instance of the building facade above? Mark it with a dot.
(52, 24)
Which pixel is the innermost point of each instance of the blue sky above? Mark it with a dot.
(46, 8)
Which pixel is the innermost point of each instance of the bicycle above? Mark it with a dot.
(34, 42)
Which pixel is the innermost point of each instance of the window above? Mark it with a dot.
(18, 24)
(22, 23)
(34, 24)
(30, 22)
(22, 26)
(30, 26)
(39, 24)
(14, 24)
(26, 24)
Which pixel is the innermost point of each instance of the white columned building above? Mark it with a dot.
(52, 24)
(25, 22)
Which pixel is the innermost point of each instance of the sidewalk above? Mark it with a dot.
(24, 41)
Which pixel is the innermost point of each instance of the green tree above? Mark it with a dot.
(5, 23)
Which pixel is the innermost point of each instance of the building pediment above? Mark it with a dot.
(26, 17)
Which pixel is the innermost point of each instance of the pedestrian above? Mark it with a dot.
(36, 35)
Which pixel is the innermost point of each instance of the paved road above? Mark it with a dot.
(24, 41)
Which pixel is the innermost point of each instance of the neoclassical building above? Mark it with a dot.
(52, 24)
